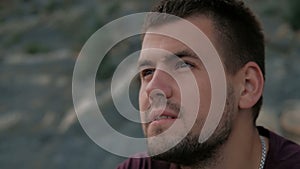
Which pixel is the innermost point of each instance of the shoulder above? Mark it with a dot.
(282, 153)
(141, 161)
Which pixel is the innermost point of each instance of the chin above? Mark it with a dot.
(203, 153)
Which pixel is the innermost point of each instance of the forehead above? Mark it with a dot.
(172, 45)
(161, 42)
(160, 48)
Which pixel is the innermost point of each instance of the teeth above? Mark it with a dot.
(163, 117)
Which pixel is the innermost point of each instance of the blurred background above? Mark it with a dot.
(39, 43)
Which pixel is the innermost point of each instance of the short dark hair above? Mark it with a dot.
(236, 27)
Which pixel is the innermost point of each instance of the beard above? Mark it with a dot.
(189, 152)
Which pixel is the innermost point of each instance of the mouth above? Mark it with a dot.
(162, 117)
(158, 120)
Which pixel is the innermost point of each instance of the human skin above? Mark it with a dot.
(243, 148)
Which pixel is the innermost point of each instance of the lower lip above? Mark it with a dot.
(163, 122)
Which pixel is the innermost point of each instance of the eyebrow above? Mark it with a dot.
(176, 55)
(181, 54)
(145, 63)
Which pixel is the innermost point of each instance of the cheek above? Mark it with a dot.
(204, 102)
(205, 91)
(143, 99)
(205, 99)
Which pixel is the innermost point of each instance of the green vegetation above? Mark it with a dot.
(12, 40)
(294, 14)
(34, 48)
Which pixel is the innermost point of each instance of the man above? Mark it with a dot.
(237, 142)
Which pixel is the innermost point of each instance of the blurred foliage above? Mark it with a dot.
(51, 6)
(13, 39)
(35, 48)
(116, 55)
(270, 9)
(294, 14)
(113, 8)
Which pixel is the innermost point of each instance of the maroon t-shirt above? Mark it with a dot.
(282, 154)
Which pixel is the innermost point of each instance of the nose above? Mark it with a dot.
(160, 84)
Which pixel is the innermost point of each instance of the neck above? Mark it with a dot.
(242, 149)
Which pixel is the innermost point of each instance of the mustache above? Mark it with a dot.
(159, 101)
(175, 107)
(165, 104)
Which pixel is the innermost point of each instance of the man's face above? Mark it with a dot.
(160, 92)
(161, 100)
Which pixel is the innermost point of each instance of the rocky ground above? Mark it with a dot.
(40, 41)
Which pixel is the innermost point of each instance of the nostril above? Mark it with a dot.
(158, 99)
(157, 93)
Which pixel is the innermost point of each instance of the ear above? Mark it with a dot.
(252, 85)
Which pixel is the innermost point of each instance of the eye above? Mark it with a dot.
(184, 64)
(146, 72)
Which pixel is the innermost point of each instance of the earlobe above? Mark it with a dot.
(253, 82)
